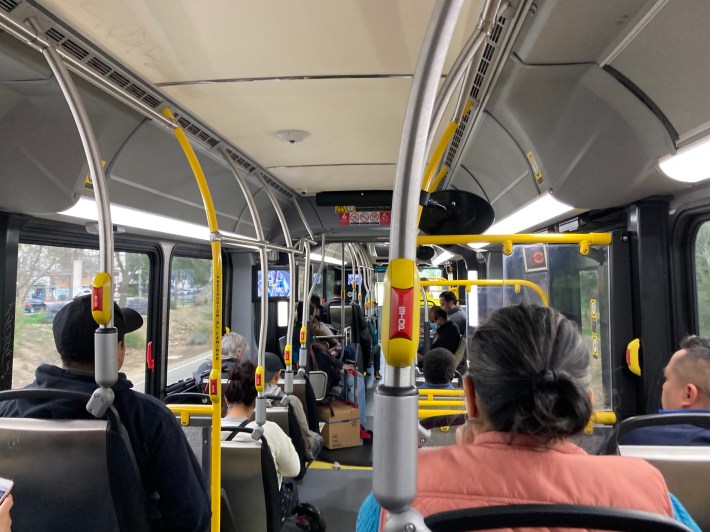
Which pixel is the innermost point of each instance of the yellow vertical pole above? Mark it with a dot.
(216, 373)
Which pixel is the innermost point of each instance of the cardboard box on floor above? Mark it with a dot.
(342, 425)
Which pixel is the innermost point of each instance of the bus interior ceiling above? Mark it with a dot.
(573, 98)
(585, 92)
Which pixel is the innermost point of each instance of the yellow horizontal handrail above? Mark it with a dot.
(595, 239)
(430, 393)
(424, 413)
(601, 417)
(441, 402)
(493, 282)
(604, 417)
(585, 240)
(191, 409)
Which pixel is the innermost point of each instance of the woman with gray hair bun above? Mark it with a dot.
(527, 390)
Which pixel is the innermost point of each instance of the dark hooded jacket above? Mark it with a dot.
(167, 464)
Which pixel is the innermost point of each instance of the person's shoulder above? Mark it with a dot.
(132, 398)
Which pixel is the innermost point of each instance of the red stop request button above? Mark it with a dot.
(401, 303)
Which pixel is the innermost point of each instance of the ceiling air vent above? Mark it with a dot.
(74, 49)
(118, 79)
(478, 82)
(487, 57)
(151, 100)
(98, 65)
(137, 89)
(8, 5)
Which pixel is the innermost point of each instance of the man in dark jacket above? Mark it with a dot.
(446, 335)
(171, 475)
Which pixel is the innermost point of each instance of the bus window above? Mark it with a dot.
(578, 287)
(190, 325)
(48, 277)
(702, 278)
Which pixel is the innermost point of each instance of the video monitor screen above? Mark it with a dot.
(279, 283)
(358, 279)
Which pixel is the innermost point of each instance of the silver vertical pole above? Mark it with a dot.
(343, 291)
(260, 416)
(288, 374)
(106, 339)
(396, 435)
(303, 218)
(305, 315)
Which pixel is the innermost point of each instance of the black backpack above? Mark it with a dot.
(307, 517)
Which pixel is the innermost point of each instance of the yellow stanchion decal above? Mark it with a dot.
(101, 298)
(259, 379)
(287, 354)
(302, 335)
(401, 313)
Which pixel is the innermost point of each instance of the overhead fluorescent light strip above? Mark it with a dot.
(441, 258)
(85, 209)
(690, 164)
(534, 213)
(316, 257)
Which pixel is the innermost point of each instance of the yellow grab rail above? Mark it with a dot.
(425, 412)
(601, 417)
(494, 282)
(430, 393)
(442, 402)
(215, 386)
(585, 240)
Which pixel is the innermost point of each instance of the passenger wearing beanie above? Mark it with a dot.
(170, 472)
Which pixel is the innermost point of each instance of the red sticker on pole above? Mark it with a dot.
(213, 386)
(401, 303)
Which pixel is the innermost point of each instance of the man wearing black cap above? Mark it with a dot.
(171, 475)
(272, 373)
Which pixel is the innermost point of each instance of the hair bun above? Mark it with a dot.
(547, 378)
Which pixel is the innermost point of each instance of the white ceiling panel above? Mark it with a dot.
(348, 121)
(340, 70)
(309, 180)
(670, 50)
(188, 40)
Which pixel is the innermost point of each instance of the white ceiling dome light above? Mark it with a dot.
(292, 136)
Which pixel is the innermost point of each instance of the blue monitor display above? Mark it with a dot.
(279, 283)
(358, 279)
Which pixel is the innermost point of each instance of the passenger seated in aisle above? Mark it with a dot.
(527, 391)
(272, 374)
(240, 394)
(234, 345)
(170, 472)
(361, 332)
(446, 334)
(684, 391)
(439, 368)
(323, 358)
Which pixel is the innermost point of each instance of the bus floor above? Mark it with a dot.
(340, 479)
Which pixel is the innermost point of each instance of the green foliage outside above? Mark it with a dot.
(702, 278)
